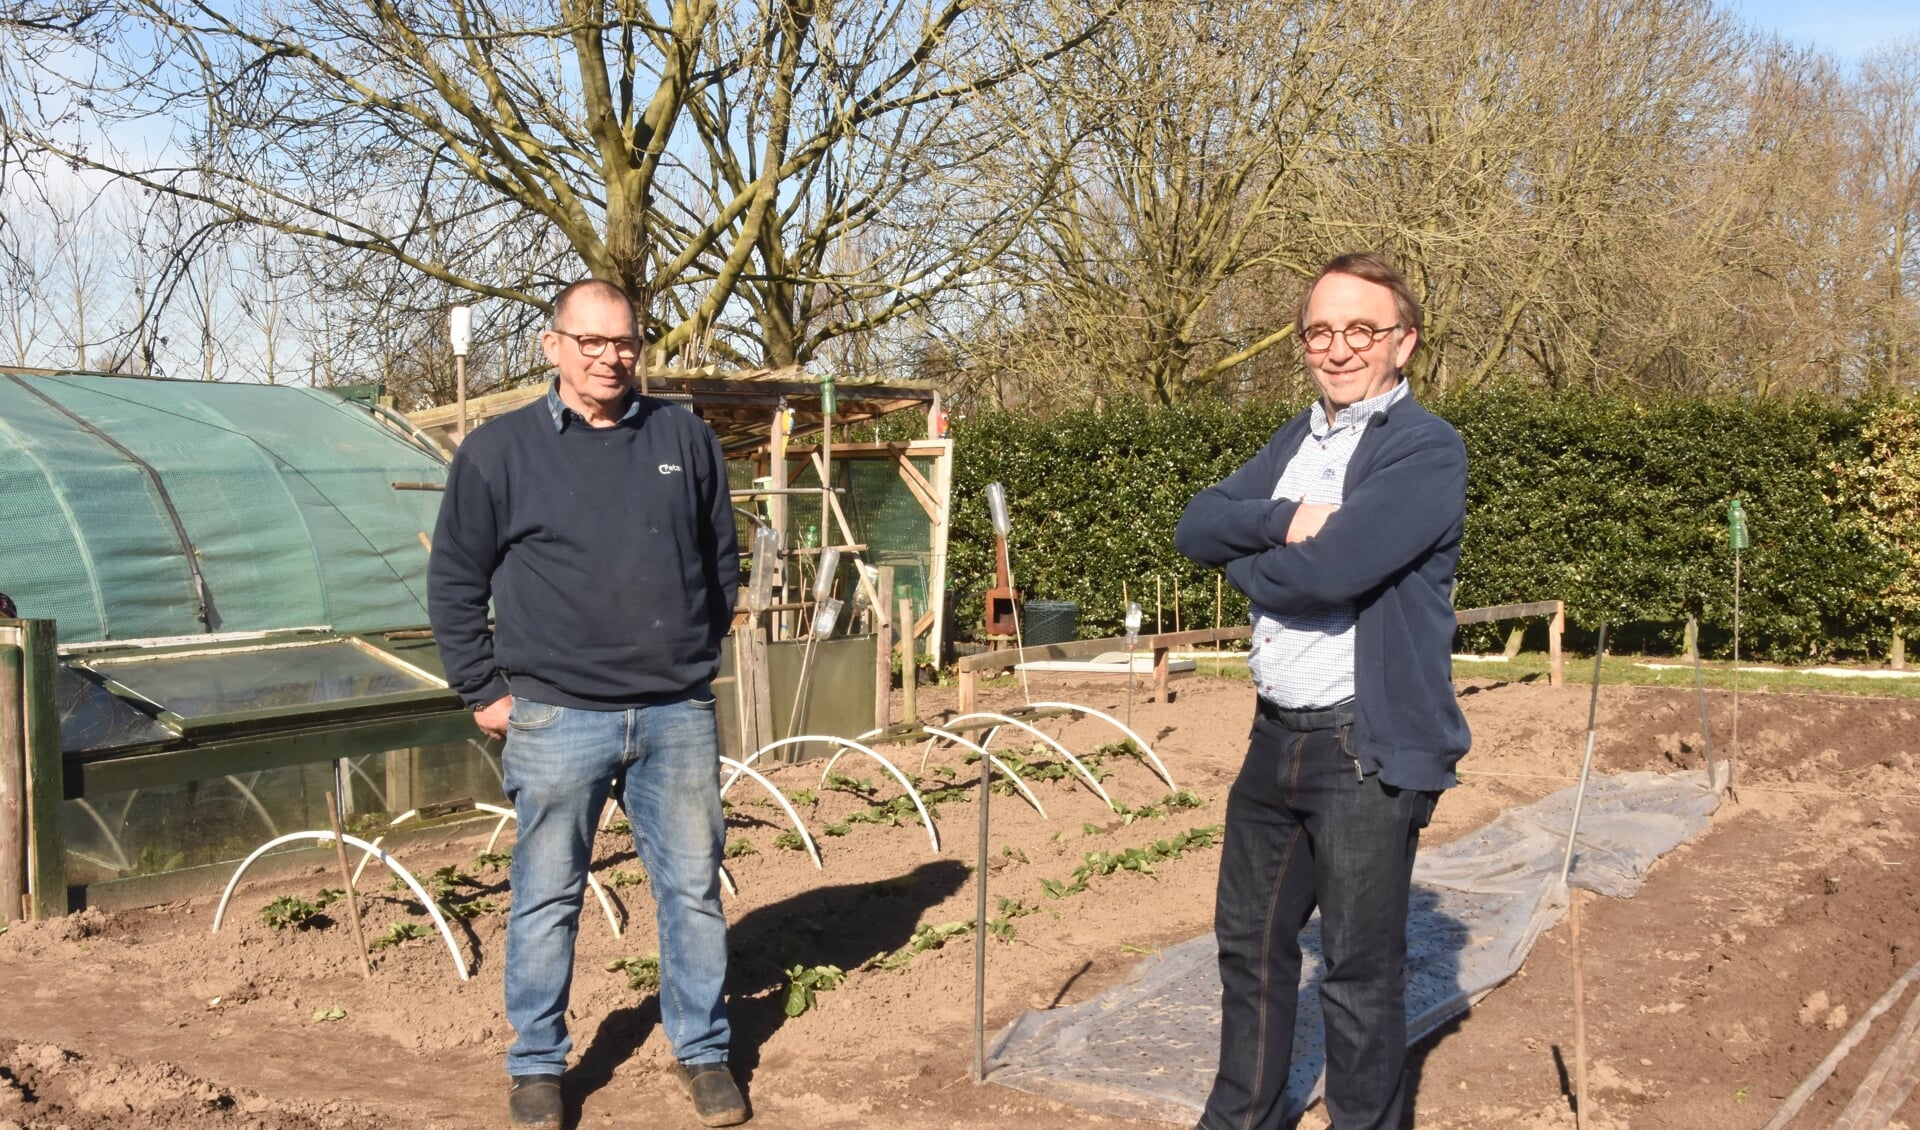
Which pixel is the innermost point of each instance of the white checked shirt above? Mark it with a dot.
(1303, 662)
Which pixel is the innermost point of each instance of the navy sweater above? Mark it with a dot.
(1389, 552)
(609, 555)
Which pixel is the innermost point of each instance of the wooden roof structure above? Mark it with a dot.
(738, 405)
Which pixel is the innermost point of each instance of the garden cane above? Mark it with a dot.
(1133, 639)
(1573, 901)
(353, 906)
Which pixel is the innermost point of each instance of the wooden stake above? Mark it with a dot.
(1176, 608)
(1219, 646)
(909, 677)
(1158, 603)
(13, 786)
(346, 877)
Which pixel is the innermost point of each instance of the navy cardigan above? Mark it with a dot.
(1389, 552)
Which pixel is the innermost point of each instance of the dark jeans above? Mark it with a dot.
(1304, 829)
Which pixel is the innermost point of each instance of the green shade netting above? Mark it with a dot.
(285, 496)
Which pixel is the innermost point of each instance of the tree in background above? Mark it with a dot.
(708, 156)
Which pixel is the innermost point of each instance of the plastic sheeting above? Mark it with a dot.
(1147, 1047)
(284, 494)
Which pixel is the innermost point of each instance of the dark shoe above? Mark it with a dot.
(716, 1097)
(534, 1100)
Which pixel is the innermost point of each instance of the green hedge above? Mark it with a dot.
(1615, 505)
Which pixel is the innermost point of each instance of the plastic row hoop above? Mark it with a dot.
(433, 908)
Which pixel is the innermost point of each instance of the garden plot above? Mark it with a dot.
(1711, 993)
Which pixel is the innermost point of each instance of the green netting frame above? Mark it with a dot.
(285, 495)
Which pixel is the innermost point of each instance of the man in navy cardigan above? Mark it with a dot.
(1344, 532)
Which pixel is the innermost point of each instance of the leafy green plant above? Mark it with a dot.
(839, 829)
(803, 796)
(858, 786)
(618, 827)
(494, 860)
(620, 877)
(789, 841)
(924, 939)
(643, 973)
(294, 912)
(397, 933)
(1008, 851)
(1136, 859)
(738, 848)
(804, 981)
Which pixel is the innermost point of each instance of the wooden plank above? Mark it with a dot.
(13, 785)
(46, 782)
(1161, 666)
(917, 484)
(1087, 649)
(1506, 612)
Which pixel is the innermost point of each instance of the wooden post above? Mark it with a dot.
(1897, 654)
(46, 782)
(1514, 639)
(909, 670)
(883, 653)
(13, 785)
(1162, 667)
(762, 684)
(1555, 628)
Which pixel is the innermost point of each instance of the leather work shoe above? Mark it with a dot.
(716, 1097)
(534, 1100)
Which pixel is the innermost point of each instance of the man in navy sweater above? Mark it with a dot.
(599, 524)
(1344, 532)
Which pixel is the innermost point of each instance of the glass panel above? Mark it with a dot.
(204, 683)
(222, 819)
(93, 718)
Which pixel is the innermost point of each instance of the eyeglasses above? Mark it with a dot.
(593, 345)
(1360, 337)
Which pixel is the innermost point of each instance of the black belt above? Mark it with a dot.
(1320, 718)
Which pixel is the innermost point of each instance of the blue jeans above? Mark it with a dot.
(561, 764)
(1304, 828)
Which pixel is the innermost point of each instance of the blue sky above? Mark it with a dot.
(1844, 27)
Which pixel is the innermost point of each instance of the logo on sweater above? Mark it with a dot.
(669, 468)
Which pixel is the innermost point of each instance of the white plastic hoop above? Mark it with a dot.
(997, 764)
(1085, 773)
(433, 908)
(781, 799)
(846, 744)
(505, 815)
(1110, 720)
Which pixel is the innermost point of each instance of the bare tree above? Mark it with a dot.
(674, 147)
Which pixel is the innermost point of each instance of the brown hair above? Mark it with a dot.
(600, 288)
(1375, 267)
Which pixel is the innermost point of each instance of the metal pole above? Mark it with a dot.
(980, 932)
(1586, 764)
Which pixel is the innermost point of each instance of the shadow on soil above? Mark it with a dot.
(841, 925)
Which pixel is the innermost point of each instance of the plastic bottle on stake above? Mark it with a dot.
(997, 509)
(823, 577)
(766, 566)
(1737, 525)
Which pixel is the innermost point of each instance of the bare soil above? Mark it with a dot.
(1710, 995)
